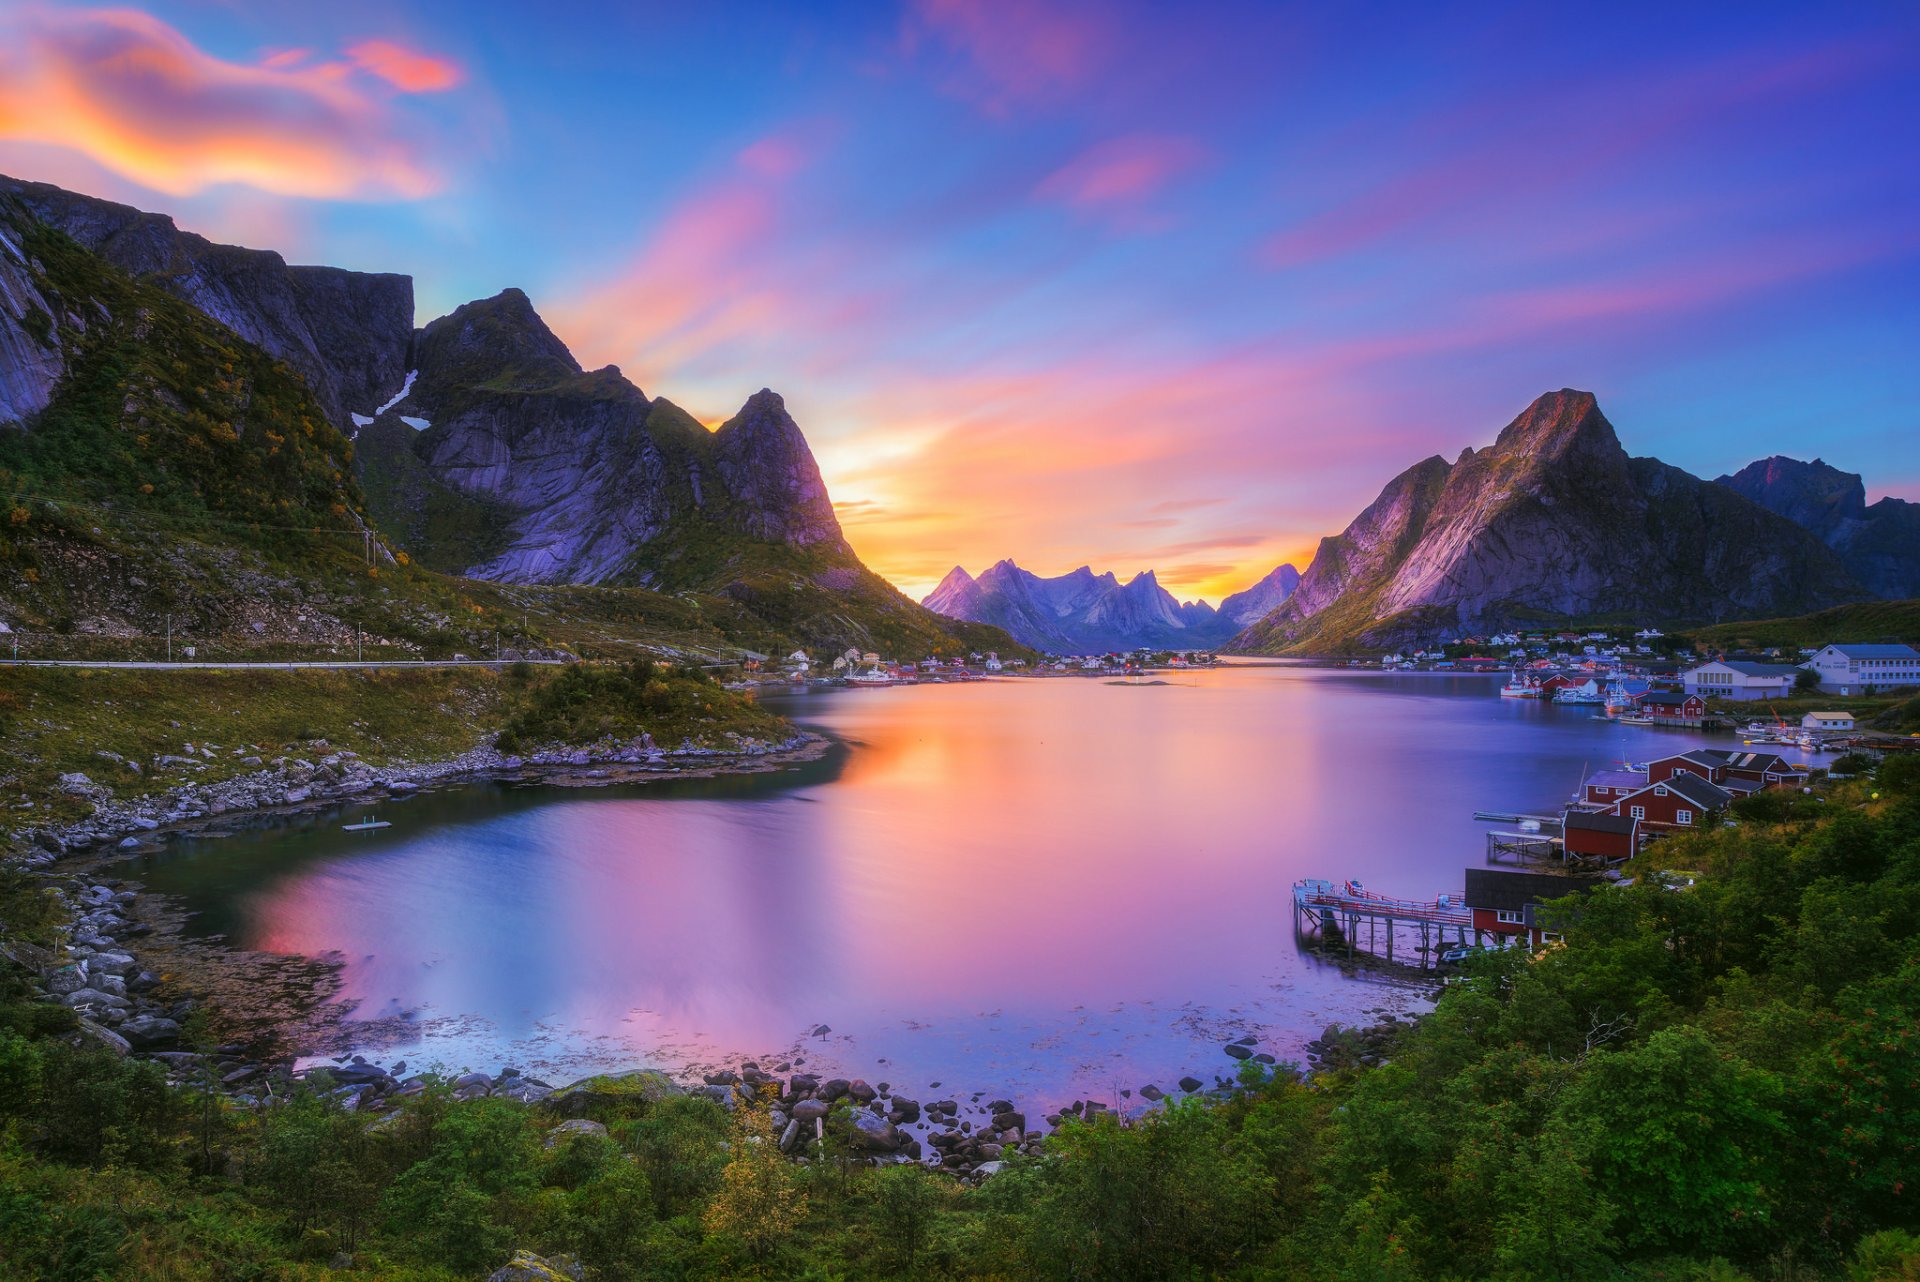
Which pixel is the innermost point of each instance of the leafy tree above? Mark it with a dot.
(759, 1202)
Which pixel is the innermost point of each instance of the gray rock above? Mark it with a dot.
(105, 1037)
(574, 1126)
(525, 1266)
(874, 1134)
(145, 1031)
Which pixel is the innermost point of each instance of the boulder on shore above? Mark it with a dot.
(525, 1266)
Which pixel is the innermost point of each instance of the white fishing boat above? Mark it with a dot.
(871, 677)
(1519, 687)
(366, 825)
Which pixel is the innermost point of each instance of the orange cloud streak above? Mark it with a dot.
(136, 96)
(406, 69)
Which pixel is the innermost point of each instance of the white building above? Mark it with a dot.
(1827, 721)
(1854, 669)
(1740, 681)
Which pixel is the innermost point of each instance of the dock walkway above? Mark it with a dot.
(1338, 911)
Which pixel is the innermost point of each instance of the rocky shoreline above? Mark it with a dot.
(135, 982)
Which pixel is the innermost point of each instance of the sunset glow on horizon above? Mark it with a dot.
(1112, 285)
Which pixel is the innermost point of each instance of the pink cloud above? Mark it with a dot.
(1001, 55)
(407, 70)
(139, 98)
(1122, 171)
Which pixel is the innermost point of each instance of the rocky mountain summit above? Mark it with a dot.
(1879, 544)
(480, 446)
(1081, 611)
(1553, 521)
(499, 457)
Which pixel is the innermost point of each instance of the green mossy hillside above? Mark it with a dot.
(56, 721)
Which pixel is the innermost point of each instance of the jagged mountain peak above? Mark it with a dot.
(956, 577)
(1879, 544)
(480, 340)
(1556, 425)
(1554, 520)
(1082, 611)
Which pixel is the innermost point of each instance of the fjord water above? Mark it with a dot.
(1046, 888)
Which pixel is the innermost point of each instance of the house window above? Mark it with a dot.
(1639, 812)
(1509, 917)
(1549, 936)
(1661, 791)
(1683, 816)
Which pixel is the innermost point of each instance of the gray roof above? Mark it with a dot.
(1702, 793)
(1759, 669)
(1600, 822)
(1511, 891)
(1878, 651)
(1761, 761)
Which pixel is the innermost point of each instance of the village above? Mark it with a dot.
(1616, 814)
(866, 668)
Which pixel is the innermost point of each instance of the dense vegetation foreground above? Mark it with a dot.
(1717, 1082)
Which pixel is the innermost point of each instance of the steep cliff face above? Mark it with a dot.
(31, 355)
(1082, 611)
(345, 332)
(1554, 521)
(584, 478)
(1880, 544)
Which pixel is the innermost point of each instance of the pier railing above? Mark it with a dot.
(1448, 909)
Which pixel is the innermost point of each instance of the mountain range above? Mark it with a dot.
(1554, 521)
(1879, 545)
(195, 423)
(151, 368)
(1084, 612)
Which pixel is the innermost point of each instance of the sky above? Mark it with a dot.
(1137, 286)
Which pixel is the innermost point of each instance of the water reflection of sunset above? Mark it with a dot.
(1023, 884)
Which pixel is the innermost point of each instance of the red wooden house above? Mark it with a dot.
(1751, 771)
(1604, 787)
(1704, 764)
(1683, 800)
(1671, 705)
(1607, 837)
(1503, 902)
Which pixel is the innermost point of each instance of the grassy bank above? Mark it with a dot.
(1715, 1085)
(1898, 713)
(1865, 621)
(55, 721)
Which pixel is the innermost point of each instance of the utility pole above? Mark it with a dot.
(356, 643)
(169, 638)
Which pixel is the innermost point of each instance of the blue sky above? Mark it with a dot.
(1080, 283)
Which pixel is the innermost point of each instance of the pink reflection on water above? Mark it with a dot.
(1058, 887)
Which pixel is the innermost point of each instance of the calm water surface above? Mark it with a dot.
(1051, 888)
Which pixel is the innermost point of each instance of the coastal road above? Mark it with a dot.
(251, 665)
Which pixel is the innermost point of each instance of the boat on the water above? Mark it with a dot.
(1636, 721)
(365, 825)
(1520, 687)
(1581, 694)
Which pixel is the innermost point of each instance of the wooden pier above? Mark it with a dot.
(1338, 912)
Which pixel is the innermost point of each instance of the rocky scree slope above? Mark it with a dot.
(1879, 544)
(1553, 522)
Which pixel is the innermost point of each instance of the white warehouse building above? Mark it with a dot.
(1855, 669)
